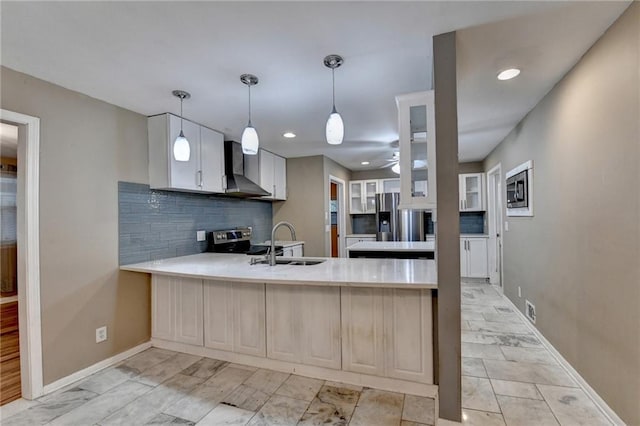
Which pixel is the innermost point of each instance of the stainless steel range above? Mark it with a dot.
(236, 241)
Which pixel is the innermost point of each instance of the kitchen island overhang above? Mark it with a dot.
(367, 322)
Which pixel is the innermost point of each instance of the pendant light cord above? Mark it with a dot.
(333, 85)
(181, 99)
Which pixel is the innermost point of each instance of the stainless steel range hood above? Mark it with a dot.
(237, 184)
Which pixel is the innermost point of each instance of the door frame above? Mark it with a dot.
(342, 219)
(495, 198)
(30, 327)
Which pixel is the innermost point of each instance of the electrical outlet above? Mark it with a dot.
(519, 292)
(101, 334)
(530, 311)
(201, 235)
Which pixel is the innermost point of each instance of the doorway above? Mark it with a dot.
(337, 218)
(494, 186)
(10, 384)
(27, 214)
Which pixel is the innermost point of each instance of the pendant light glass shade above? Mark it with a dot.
(396, 168)
(181, 147)
(250, 142)
(335, 129)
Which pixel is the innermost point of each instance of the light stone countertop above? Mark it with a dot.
(393, 246)
(342, 272)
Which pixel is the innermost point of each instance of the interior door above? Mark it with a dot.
(494, 189)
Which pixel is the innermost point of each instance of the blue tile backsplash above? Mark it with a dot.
(470, 223)
(160, 224)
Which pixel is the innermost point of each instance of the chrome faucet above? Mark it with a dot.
(272, 253)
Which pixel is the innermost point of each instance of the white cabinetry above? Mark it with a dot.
(270, 172)
(303, 324)
(349, 241)
(177, 309)
(416, 125)
(473, 257)
(387, 332)
(234, 317)
(471, 190)
(389, 185)
(204, 172)
(362, 196)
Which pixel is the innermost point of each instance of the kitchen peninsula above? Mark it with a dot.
(361, 321)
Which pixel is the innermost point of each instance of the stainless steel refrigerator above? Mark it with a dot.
(393, 224)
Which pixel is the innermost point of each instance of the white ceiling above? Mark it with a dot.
(132, 54)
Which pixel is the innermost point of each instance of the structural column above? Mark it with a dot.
(447, 226)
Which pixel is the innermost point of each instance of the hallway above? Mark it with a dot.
(508, 376)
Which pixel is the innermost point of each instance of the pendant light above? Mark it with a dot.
(335, 127)
(181, 148)
(250, 140)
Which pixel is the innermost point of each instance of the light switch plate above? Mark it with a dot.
(201, 235)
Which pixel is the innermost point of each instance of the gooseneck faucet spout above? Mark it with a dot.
(272, 253)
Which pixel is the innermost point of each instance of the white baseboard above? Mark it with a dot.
(85, 372)
(582, 383)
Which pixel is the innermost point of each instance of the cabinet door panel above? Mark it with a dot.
(280, 177)
(189, 327)
(162, 308)
(463, 258)
(320, 335)
(183, 173)
(267, 173)
(477, 260)
(211, 160)
(408, 329)
(283, 322)
(249, 319)
(298, 251)
(362, 330)
(356, 204)
(218, 315)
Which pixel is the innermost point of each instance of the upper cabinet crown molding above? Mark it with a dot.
(416, 128)
(204, 172)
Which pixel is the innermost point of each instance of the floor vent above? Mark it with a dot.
(530, 311)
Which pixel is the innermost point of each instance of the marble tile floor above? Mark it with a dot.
(160, 387)
(508, 376)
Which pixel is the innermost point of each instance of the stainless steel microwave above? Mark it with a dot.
(517, 190)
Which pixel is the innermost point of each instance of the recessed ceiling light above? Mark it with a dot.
(289, 135)
(508, 74)
(365, 163)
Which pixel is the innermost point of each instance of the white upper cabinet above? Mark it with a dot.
(270, 172)
(389, 185)
(362, 196)
(204, 172)
(416, 126)
(471, 190)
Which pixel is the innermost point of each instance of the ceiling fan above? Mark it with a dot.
(393, 162)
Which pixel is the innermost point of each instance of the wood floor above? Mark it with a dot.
(9, 353)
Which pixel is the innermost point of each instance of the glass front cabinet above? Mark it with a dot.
(416, 125)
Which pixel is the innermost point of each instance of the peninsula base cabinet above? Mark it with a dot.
(176, 309)
(303, 324)
(355, 332)
(388, 332)
(234, 317)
